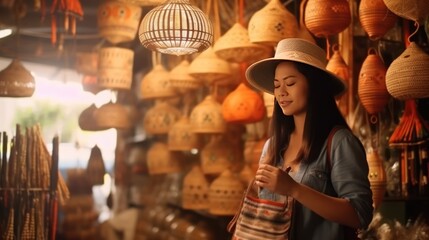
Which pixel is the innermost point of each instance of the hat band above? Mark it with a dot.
(300, 57)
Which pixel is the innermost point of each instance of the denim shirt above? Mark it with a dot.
(347, 178)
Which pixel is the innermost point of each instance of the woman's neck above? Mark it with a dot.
(299, 125)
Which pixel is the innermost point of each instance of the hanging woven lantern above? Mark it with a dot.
(243, 105)
(217, 155)
(271, 24)
(87, 121)
(181, 80)
(415, 10)
(112, 115)
(181, 137)
(118, 20)
(235, 46)
(195, 191)
(376, 19)
(162, 161)
(372, 89)
(225, 194)
(408, 75)
(209, 67)
(160, 118)
(115, 68)
(156, 84)
(16, 81)
(207, 117)
(176, 27)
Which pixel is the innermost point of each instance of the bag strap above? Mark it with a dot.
(329, 146)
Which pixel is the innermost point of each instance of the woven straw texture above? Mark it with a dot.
(408, 75)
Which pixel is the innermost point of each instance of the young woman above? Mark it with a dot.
(331, 195)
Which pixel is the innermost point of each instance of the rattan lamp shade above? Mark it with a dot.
(176, 27)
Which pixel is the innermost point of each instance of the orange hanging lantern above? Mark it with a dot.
(372, 89)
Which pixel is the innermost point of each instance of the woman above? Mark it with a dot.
(329, 197)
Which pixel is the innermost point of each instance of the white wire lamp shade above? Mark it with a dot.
(176, 27)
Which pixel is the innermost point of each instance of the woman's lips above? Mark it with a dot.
(285, 103)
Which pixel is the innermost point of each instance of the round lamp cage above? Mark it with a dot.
(176, 27)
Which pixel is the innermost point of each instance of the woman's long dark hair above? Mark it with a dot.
(322, 115)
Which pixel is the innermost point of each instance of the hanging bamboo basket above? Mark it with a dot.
(235, 46)
(271, 24)
(415, 10)
(376, 19)
(160, 118)
(206, 117)
(118, 21)
(16, 81)
(115, 68)
(156, 84)
(325, 18)
(243, 105)
(209, 67)
(408, 75)
(216, 156)
(372, 89)
(181, 80)
(87, 121)
(195, 191)
(162, 161)
(112, 115)
(181, 137)
(225, 194)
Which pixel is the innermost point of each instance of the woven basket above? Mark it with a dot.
(271, 24)
(408, 75)
(372, 89)
(225, 195)
(16, 81)
(112, 115)
(415, 10)
(118, 21)
(87, 121)
(376, 19)
(115, 68)
(206, 117)
(156, 84)
(216, 156)
(162, 161)
(235, 46)
(181, 137)
(160, 118)
(209, 67)
(181, 80)
(195, 191)
(243, 105)
(324, 18)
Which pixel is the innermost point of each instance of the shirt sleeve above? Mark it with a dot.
(349, 174)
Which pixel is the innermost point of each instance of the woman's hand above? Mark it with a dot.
(275, 179)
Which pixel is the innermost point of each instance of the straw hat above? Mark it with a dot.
(261, 73)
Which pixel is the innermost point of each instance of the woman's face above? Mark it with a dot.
(290, 89)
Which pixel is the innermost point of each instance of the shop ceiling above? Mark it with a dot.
(32, 39)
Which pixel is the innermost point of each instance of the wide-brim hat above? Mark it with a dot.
(261, 74)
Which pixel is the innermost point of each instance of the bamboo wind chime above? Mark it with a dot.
(30, 186)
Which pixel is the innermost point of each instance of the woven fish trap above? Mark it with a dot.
(408, 75)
